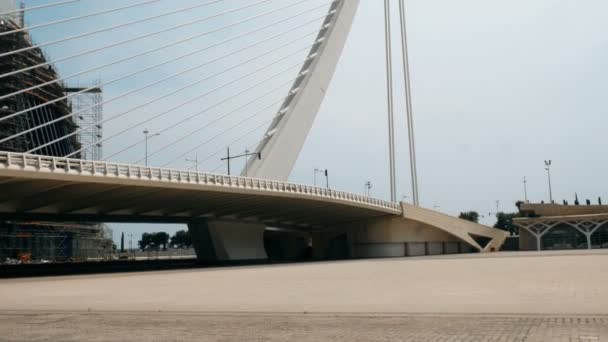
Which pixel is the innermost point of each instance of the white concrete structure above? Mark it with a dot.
(553, 226)
(227, 215)
(287, 133)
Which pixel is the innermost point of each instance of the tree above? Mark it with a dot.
(181, 239)
(154, 241)
(145, 242)
(504, 221)
(472, 216)
(160, 239)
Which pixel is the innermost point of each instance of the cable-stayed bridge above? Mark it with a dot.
(241, 70)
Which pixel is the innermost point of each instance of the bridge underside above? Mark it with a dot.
(229, 216)
(64, 200)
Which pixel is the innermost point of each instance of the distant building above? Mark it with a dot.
(555, 227)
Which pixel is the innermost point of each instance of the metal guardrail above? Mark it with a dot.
(12, 160)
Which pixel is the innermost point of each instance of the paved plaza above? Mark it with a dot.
(500, 297)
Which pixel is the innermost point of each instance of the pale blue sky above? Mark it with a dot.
(498, 86)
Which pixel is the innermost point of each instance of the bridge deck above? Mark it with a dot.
(48, 188)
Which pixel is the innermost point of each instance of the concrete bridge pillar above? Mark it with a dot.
(331, 245)
(216, 240)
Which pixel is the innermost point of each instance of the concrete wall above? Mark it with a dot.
(452, 248)
(435, 248)
(396, 229)
(398, 237)
(415, 248)
(227, 240)
(380, 250)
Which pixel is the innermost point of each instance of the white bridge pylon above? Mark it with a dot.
(287, 133)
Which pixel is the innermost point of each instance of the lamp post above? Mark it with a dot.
(368, 188)
(195, 161)
(245, 155)
(147, 137)
(548, 168)
(325, 172)
(316, 172)
(526, 189)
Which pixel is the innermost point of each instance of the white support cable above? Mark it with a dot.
(62, 40)
(408, 104)
(223, 133)
(185, 136)
(389, 98)
(163, 113)
(263, 110)
(192, 100)
(154, 66)
(63, 59)
(20, 10)
(201, 112)
(217, 169)
(48, 123)
(148, 51)
(61, 21)
(131, 57)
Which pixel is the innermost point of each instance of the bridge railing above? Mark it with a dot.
(13, 160)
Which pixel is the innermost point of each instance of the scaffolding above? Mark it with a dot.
(26, 241)
(87, 102)
(32, 98)
(35, 242)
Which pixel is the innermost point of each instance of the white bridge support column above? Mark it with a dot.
(421, 231)
(216, 240)
(288, 131)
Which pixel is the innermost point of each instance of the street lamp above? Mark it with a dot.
(195, 161)
(548, 168)
(368, 188)
(326, 173)
(146, 134)
(246, 155)
(526, 189)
